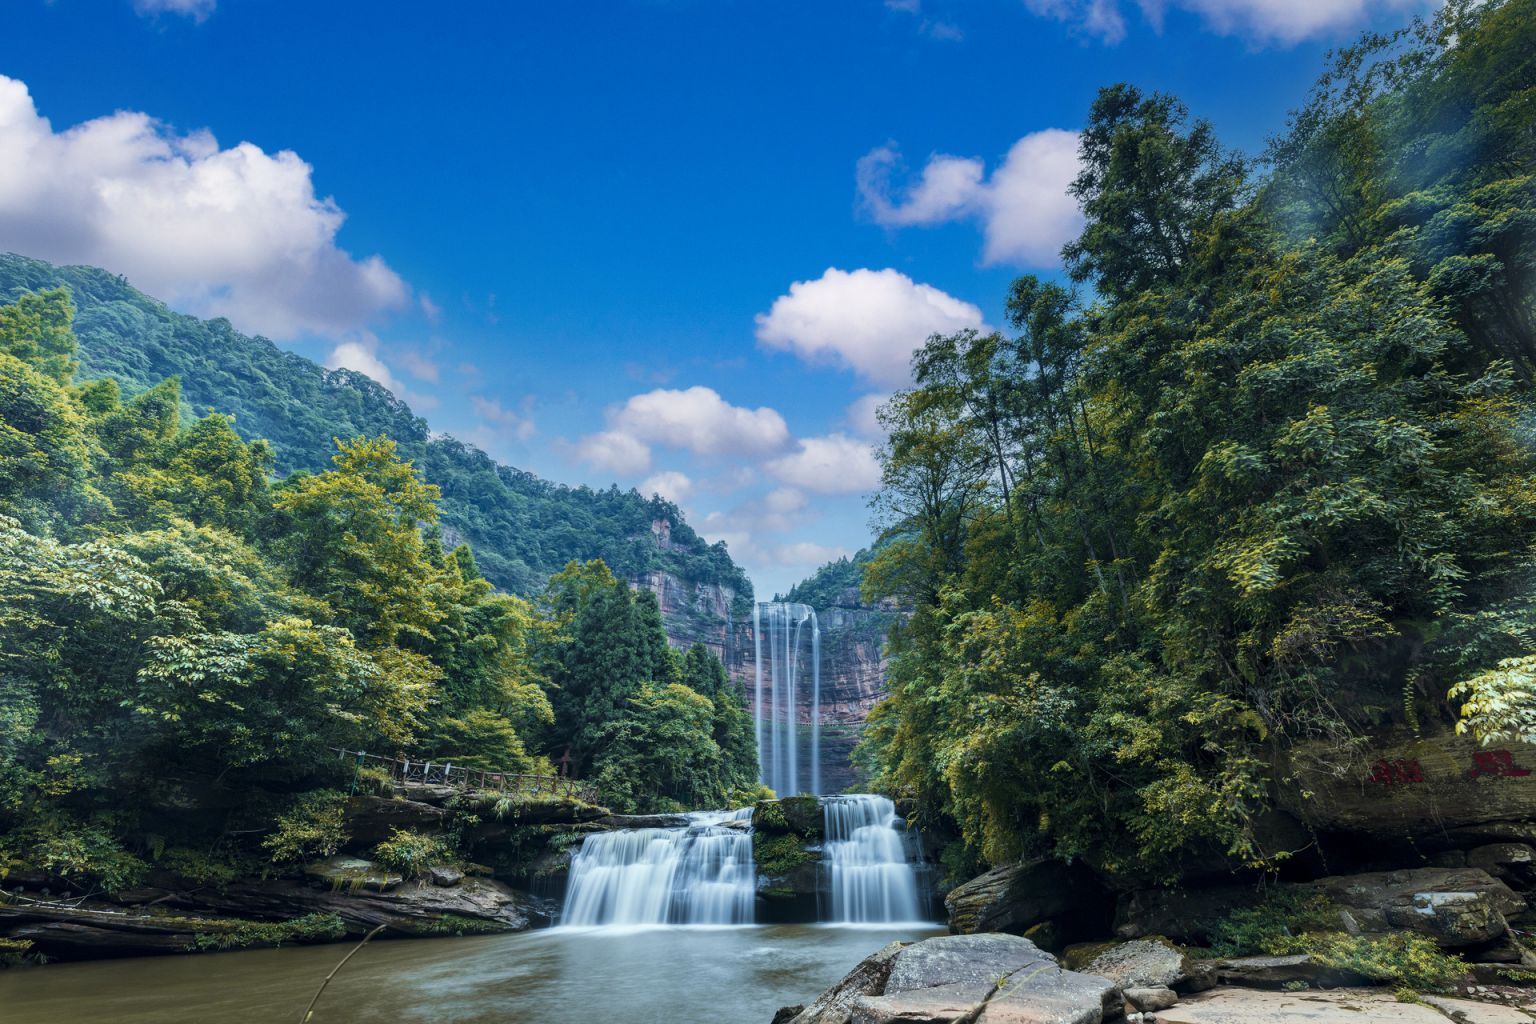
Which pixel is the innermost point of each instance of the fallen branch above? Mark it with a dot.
(309, 1011)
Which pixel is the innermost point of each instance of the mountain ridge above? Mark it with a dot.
(521, 527)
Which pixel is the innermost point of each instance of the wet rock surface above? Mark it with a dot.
(1001, 979)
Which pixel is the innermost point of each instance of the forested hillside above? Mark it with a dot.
(1263, 477)
(185, 640)
(521, 528)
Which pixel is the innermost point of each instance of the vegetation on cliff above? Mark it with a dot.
(1267, 478)
(184, 639)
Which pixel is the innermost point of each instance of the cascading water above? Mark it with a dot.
(700, 874)
(780, 632)
(870, 877)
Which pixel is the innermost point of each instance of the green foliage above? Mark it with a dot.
(234, 934)
(1289, 921)
(1273, 477)
(778, 855)
(411, 853)
(1500, 703)
(313, 827)
(522, 529)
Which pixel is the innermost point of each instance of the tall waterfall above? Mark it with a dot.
(782, 632)
(700, 874)
(871, 879)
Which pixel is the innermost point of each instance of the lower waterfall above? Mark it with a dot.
(870, 877)
(698, 874)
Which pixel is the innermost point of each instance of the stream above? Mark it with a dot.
(665, 975)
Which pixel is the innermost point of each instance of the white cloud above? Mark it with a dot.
(431, 310)
(870, 320)
(1261, 21)
(861, 416)
(669, 483)
(835, 464)
(234, 232)
(363, 356)
(419, 366)
(702, 422)
(516, 423)
(1024, 209)
(615, 452)
(197, 10)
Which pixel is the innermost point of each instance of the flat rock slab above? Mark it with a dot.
(1340, 1006)
(1144, 963)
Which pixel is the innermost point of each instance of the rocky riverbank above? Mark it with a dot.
(1006, 979)
(344, 895)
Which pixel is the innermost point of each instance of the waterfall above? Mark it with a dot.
(698, 874)
(871, 879)
(780, 641)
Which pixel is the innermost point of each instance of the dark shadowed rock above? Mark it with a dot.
(1279, 971)
(1511, 863)
(1016, 897)
(1143, 963)
(1184, 915)
(372, 819)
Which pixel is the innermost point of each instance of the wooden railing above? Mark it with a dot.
(446, 773)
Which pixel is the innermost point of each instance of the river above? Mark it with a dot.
(665, 975)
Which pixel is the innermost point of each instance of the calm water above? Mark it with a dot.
(649, 976)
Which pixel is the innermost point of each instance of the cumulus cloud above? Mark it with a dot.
(835, 464)
(614, 451)
(197, 10)
(699, 420)
(869, 320)
(234, 232)
(1261, 21)
(1024, 210)
(670, 484)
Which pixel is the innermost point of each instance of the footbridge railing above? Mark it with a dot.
(446, 773)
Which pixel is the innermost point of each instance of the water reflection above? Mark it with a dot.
(638, 976)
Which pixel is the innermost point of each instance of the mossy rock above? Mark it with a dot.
(801, 815)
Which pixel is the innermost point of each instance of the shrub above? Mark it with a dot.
(313, 827)
(411, 853)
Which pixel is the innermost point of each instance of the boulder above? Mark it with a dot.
(988, 979)
(1143, 963)
(1015, 897)
(1456, 907)
(372, 819)
(801, 815)
(444, 875)
(785, 1014)
(1511, 863)
(1152, 999)
(1277, 972)
(351, 873)
(835, 1005)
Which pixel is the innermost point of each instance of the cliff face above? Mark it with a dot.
(853, 666)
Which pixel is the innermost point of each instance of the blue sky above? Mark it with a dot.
(680, 244)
